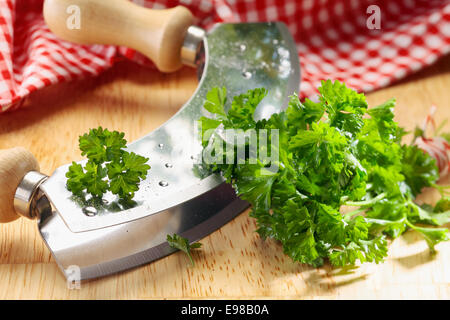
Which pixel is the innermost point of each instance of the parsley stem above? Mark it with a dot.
(435, 185)
(442, 189)
(366, 202)
(350, 214)
(190, 258)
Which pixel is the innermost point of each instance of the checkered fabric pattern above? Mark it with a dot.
(333, 41)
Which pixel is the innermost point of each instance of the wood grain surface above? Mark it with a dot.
(233, 262)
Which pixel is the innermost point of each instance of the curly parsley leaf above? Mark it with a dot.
(92, 145)
(240, 115)
(419, 169)
(94, 179)
(114, 143)
(443, 205)
(432, 235)
(75, 177)
(345, 107)
(365, 251)
(126, 175)
(215, 101)
(107, 158)
(100, 145)
(299, 114)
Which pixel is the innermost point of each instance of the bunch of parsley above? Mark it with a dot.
(109, 166)
(332, 153)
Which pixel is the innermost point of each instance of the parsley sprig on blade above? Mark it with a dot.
(109, 167)
(332, 153)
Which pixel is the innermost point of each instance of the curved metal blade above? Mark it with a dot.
(109, 250)
(173, 198)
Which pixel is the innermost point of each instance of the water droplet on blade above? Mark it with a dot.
(246, 75)
(90, 211)
(163, 183)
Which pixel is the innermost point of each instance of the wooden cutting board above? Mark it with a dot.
(234, 262)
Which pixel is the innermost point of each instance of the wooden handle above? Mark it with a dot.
(159, 34)
(14, 164)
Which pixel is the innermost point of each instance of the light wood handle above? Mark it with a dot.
(158, 34)
(14, 164)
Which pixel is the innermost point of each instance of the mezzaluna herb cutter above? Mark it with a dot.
(106, 238)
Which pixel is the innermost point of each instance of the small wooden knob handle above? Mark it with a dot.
(158, 34)
(15, 163)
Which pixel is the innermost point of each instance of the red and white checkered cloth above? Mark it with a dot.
(332, 36)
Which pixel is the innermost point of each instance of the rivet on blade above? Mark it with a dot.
(168, 165)
(161, 145)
